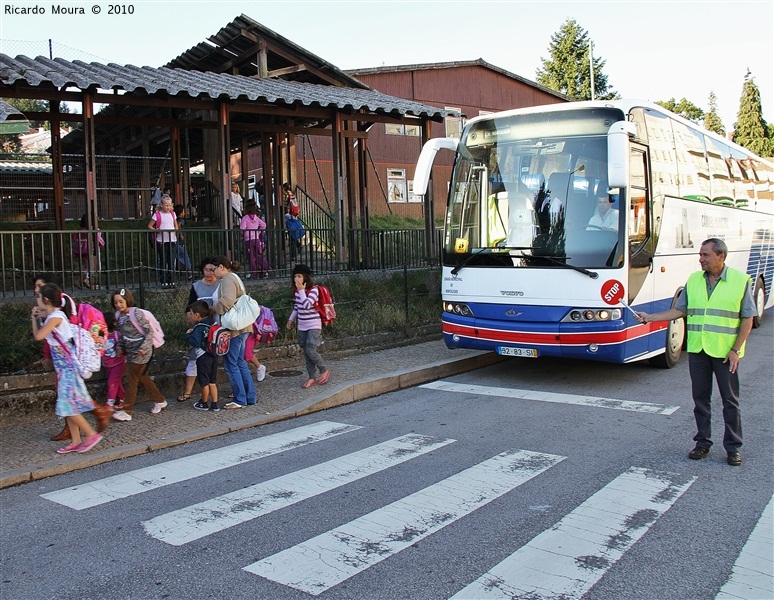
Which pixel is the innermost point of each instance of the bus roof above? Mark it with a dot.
(625, 105)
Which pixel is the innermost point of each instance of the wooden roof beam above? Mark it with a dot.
(291, 56)
(286, 71)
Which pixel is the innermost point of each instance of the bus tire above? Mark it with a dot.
(673, 349)
(759, 297)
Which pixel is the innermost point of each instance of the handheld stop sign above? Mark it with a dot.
(613, 293)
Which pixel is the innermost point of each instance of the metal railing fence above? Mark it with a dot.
(129, 258)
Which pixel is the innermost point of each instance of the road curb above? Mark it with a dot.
(339, 395)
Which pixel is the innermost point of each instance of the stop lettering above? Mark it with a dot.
(612, 292)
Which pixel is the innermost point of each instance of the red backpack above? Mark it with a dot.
(218, 341)
(325, 305)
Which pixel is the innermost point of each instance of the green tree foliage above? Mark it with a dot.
(10, 142)
(711, 119)
(567, 69)
(750, 130)
(685, 108)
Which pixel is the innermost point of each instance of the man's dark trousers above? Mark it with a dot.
(701, 367)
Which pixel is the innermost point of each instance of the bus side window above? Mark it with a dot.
(639, 226)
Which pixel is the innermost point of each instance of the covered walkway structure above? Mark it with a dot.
(247, 88)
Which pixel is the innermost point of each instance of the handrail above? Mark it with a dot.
(130, 260)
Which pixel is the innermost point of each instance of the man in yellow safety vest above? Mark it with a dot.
(719, 306)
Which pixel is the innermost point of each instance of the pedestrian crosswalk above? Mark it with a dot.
(567, 560)
(345, 551)
(175, 471)
(564, 561)
(542, 396)
(191, 523)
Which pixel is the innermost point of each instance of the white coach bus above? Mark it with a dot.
(560, 218)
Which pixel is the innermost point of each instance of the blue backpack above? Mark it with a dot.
(295, 228)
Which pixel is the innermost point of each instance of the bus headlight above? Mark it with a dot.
(577, 315)
(458, 308)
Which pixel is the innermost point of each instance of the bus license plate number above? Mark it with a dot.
(524, 352)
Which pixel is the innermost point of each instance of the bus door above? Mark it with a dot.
(639, 224)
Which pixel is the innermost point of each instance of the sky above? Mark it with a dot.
(653, 50)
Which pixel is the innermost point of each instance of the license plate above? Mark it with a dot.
(523, 352)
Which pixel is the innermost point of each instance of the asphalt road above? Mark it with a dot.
(526, 479)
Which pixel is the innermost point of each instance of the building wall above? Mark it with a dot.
(470, 88)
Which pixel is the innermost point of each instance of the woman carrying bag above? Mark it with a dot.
(234, 363)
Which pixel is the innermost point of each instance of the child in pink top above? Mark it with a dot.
(114, 365)
(254, 229)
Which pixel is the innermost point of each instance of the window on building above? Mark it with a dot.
(399, 129)
(412, 130)
(453, 123)
(396, 185)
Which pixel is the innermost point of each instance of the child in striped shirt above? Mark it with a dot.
(305, 295)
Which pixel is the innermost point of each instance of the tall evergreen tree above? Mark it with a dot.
(567, 69)
(711, 119)
(750, 130)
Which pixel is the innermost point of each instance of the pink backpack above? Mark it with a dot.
(155, 328)
(152, 234)
(265, 327)
(92, 320)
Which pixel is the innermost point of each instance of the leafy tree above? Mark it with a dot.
(567, 69)
(711, 119)
(10, 142)
(685, 108)
(750, 130)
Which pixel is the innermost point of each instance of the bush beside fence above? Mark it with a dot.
(367, 302)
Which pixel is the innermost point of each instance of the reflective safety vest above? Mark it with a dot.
(713, 323)
(495, 220)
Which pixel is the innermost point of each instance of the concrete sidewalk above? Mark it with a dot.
(26, 453)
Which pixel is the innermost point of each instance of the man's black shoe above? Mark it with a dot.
(698, 453)
(735, 458)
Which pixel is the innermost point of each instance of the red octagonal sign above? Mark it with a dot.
(612, 292)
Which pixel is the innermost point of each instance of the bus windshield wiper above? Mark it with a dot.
(553, 260)
(470, 257)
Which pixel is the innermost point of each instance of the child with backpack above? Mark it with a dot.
(197, 316)
(136, 342)
(305, 296)
(264, 330)
(114, 365)
(73, 397)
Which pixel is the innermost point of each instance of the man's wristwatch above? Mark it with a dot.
(735, 351)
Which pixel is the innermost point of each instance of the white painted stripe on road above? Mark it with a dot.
(174, 471)
(194, 522)
(568, 559)
(752, 577)
(481, 390)
(319, 563)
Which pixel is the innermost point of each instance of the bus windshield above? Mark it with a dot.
(531, 191)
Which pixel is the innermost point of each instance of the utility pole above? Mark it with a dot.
(591, 67)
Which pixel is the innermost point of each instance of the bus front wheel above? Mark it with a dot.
(759, 296)
(675, 337)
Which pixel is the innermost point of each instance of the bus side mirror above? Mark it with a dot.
(618, 153)
(425, 162)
